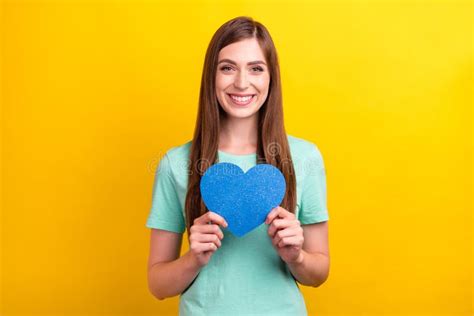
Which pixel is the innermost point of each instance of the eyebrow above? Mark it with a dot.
(255, 62)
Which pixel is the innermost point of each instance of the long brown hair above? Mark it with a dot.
(272, 143)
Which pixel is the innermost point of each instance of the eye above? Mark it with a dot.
(258, 69)
(225, 67)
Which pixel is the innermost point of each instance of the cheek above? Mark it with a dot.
(223, 82)
(262, 83)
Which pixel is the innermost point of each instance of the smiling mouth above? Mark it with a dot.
(241, 100)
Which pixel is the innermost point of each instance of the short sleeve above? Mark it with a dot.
(313, 196)
(165, 210)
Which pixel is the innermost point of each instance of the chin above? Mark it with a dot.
(240, 113)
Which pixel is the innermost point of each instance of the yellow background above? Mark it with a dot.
(94, 92)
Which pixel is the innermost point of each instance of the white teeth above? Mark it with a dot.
(241, 99)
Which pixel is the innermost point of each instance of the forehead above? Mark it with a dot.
(243, 51)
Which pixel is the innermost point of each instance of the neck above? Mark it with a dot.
(239, 134)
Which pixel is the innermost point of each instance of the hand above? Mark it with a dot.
(286, 233)
(205, 237)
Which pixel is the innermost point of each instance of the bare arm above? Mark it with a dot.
(169, 275)
(312, 268)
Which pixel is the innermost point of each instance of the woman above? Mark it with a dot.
(240, 120)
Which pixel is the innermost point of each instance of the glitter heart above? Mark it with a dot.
(243, 199)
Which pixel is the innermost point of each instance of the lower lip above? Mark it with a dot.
(241, 103)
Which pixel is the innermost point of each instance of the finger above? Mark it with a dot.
(203, 247)
(290, 231)
(291, 241)
(211, 217)
(287, 232)
(279, 212)
(273, 213)
(206, 238)
(208, 229)
(217, 219)
(278, 224)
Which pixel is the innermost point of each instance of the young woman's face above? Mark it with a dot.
(242, 78)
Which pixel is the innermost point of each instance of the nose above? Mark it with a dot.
(241, 81)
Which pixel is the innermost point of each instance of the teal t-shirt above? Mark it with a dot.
(245, 276)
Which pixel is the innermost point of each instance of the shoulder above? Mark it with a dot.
(302, 149)
(179, 152)
(306, 157)
(176, 159)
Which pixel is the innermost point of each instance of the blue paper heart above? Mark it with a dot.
(243, 199)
